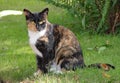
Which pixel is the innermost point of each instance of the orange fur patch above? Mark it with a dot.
(31, 26)
(105, 67)
(44, 38)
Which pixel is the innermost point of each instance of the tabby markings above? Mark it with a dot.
(33, 37)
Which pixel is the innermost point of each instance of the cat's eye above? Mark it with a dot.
(41, 22)
(33, 22)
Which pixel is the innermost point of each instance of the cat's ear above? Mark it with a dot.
(45, 11)
(27, 12)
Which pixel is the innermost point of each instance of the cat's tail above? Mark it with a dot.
(103, 66)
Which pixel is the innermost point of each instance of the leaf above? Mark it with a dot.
(76, 77)
(101, 49)
(104, 14)
(114, 2)
(106, 75)
(83, 22)
(90, 48)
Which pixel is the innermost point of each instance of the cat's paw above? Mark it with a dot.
(58, 72)
(39, 72)
(53, 67)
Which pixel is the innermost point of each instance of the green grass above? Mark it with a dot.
(17, 61)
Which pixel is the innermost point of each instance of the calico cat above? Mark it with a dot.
(55, 46)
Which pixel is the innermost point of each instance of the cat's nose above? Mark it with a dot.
(37, 26)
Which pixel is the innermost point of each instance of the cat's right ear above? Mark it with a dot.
(27, 13)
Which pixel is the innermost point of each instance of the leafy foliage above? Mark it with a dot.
(94, 15)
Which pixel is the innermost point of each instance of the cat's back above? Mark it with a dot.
(65, 37)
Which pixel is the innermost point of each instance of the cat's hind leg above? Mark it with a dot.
(73, 62)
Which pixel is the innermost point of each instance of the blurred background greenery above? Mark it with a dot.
(100, 16)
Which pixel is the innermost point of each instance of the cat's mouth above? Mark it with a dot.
(40, 28)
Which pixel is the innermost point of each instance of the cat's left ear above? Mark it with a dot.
(45, 11)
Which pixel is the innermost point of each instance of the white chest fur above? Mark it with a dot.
(33, 37)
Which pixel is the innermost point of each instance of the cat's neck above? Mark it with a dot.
(49, 26)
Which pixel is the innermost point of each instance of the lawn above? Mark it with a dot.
(17, 60)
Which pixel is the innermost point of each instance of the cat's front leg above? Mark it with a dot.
(41, 69)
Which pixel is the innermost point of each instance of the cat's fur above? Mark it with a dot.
(55, 46)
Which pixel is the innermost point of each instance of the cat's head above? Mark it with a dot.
(36, 21)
